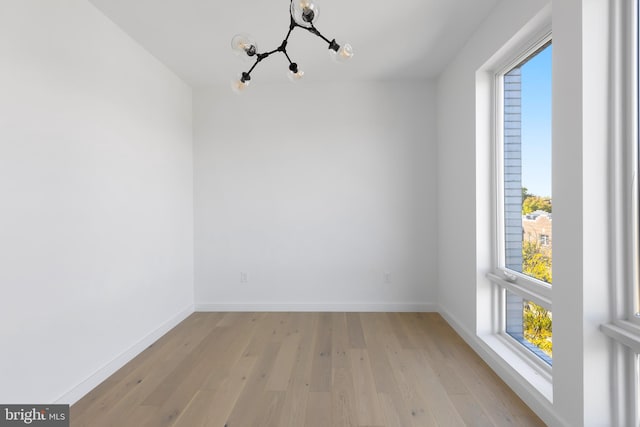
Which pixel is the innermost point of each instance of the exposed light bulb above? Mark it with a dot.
(294, 73)
(294, 77)
(244, 45)
(305, 12)
(240, 84)
(343, 54)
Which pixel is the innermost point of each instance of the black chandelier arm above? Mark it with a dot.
(255, 64)
(287, 55)
(260, 56)
(314, 30)
(246, 75)
(292, 26)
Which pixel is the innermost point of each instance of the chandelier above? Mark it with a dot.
(304, 14)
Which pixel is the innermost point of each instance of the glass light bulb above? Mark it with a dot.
(344, 53)
(294, 77)
(238, 86)
(244, 45)
(305, 12)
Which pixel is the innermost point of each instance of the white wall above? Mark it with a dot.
(96, 217)
(316, 191)
(581, 388)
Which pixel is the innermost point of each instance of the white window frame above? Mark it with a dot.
(503, 279)
(624, 329)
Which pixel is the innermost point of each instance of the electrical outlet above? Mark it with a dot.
(387, 277)
(244, 277)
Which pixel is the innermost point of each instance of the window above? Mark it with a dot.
(544, 240)
(524, 213)
(625, 212)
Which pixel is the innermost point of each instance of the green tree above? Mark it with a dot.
(538, 327)
(535, 203)
(536, 262)
(537, 322)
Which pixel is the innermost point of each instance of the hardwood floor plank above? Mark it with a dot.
(267, 326)
(231, 319)
(343, 399)
(392, 414)
(394, 407)
(254, 389)
(212, 407)
(264, 411)
(356, 336)
(319, 413)
(142, 415)
(281, 372)
(267, 409)
(294, 408)
(399, 329)
(321, 372)
(418, 372)
(367, 404)
(176, 376)
(410, 392)
(339, 341)
(284, 326)
(470, 410)
(380, 339)
(227, 356)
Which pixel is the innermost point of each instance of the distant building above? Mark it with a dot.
(537, 228)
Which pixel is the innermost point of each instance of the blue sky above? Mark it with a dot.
(536, 124)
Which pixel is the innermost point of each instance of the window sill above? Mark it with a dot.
(539, 354)
(531, 376)
(625, 332)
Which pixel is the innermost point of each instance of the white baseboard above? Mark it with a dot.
(327, 307)
(77, 392)
(537, 402)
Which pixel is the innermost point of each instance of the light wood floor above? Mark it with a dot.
(305, 369)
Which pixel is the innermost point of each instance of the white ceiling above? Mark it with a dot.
(407, 39)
